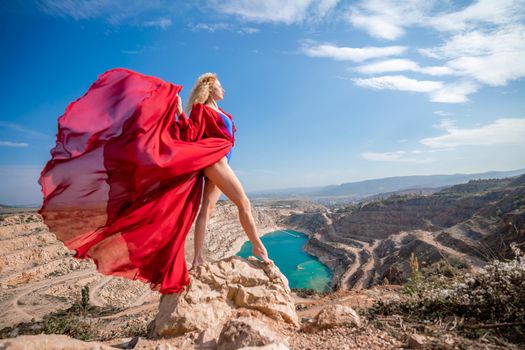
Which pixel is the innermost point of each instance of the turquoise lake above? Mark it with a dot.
(302, 270)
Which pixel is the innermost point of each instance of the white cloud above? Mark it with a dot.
(277, 11)
(162, 23)
(213, 27)
(131, 12)
(445, 124)
(397, 156)
(248, 30)
(266, 11)
(377, 26)
(482, 12)
(436, 70)
(210, 27)
(386, 19)
(325, 6)
(401, 64)
(484, 41)
(13, 144)
(392, 65)
(501, 131)
(494, 70)
(356, 54)
(437, 90)
(486, 46)
(456, 92)
(493, 56)
(399, 82)
(442, 113)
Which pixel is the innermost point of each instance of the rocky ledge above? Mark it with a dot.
(225, 290)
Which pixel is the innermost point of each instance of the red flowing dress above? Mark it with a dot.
(125, 178)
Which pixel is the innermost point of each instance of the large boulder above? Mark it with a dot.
(219, 291)
(331, 316)
(247, 331)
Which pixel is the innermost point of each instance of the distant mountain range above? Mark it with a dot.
(362, 189)
(354, 191)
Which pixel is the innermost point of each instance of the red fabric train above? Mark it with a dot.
(126, 175)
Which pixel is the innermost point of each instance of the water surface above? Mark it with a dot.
(285, 248)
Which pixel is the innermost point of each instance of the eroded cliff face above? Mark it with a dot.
(463, 226)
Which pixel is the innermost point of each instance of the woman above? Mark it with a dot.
(126, 177)
(220, 177)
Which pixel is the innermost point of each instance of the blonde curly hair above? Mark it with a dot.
(201, 90)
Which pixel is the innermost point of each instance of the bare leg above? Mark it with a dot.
(210, 197)
(223, 176)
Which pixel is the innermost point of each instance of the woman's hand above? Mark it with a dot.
(179, 105)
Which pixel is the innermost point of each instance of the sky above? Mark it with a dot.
(322, 92)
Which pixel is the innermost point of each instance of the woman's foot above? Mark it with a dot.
(260, 251)
(196, 262)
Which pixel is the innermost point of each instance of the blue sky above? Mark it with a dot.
(322, 91)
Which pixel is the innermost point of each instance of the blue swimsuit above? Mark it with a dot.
(228, 123)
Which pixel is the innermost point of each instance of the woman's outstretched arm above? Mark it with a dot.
(193, 127)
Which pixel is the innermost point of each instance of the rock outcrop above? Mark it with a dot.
(332, 316)
(231, 296)
(247, 332)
